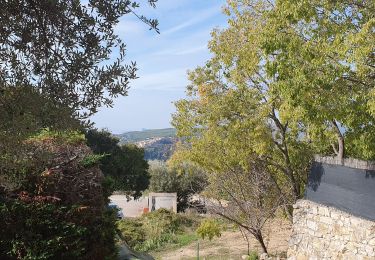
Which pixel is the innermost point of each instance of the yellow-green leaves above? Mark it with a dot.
(209, 228)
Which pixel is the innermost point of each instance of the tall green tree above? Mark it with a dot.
(232, 101)
(286, 79)
(52, 70)
(123, 165)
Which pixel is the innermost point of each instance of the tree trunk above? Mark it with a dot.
(341, 143)
(288, 212)
(259, 237)
(283, 147)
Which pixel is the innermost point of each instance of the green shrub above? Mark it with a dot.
(155, 229)
(185, 180)
(132, 231)
(209, 228)
(160, 221)
(253, 256)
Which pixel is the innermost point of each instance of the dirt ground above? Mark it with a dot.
(231, 244)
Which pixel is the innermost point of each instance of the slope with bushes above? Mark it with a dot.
(158, 229)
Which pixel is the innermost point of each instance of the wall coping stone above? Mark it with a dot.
(348, 162)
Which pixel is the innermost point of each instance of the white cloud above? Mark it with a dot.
(198, 18)
(181, 51)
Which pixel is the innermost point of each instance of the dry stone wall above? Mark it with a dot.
(322, 232)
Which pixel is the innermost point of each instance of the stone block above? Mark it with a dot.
(326, 220)
(323, 211)
(349, 256)
(312, 225)
(335, 215)
(301, 256)
(352, 248)
(340, 223)
(323, 229)
(369, 250)
(356, 222)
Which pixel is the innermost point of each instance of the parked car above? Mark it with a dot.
(120, 215)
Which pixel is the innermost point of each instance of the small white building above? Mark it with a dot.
(154, 201)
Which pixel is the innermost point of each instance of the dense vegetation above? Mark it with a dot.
(124, 166)
(57, 209)
(53, 195)
(157, 229)
(287, 79)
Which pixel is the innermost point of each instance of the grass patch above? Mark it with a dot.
(159, 230)
(186, 238)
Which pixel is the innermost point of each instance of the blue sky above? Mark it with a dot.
(163, 60)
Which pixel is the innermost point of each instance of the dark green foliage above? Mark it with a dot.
(39, 231)
(57, 210)
(186, 181)
(68, 137)
(49, 231)
(124, 165)
(59, 47)
(23, 113)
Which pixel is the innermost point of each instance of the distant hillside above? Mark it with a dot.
(158, 143)
(137, 136)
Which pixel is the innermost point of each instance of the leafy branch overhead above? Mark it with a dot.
(63, 49)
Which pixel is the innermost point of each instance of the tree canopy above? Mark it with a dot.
(287, 79)
(321, 54)
(63, 49)
(123, 164)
